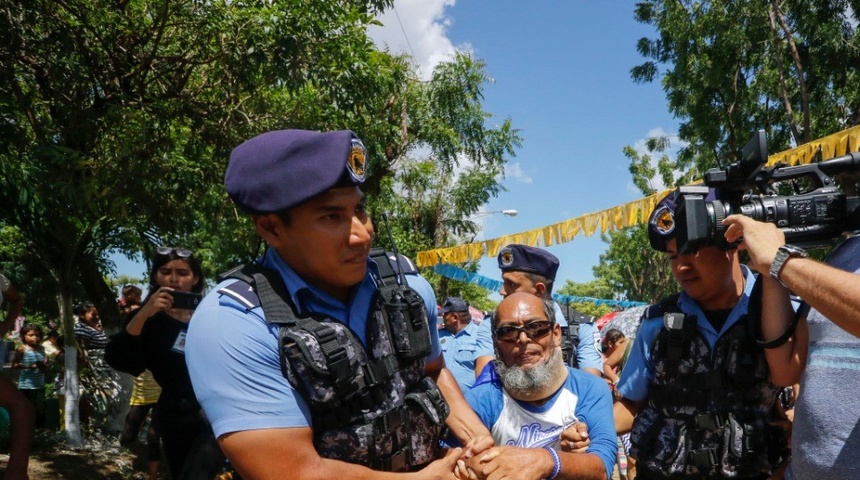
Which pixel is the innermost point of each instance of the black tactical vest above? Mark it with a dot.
(707, 411)
(373, 406)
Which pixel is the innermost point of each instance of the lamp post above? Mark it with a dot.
(509, 212)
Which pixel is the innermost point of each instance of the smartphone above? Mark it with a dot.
(185, 300)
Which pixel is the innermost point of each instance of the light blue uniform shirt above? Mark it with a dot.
(639, 369)
(233, 359)
(588, 347)
(462, 349)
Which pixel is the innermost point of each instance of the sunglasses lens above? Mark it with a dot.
(537, 329)
(180, 252)
(507, 334)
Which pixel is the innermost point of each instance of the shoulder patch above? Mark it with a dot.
(242, 293)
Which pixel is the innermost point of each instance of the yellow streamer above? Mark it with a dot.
(626, 215)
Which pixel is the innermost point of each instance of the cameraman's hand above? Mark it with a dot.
(761, 240)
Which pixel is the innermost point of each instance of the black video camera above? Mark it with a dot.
(811, 217)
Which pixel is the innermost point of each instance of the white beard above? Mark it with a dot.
(526, 382)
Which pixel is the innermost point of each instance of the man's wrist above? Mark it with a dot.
(783, 254)
(556, 463)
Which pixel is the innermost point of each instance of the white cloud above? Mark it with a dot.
(418, 28)
(515, 171)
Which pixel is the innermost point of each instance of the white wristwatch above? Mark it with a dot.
(782, 254)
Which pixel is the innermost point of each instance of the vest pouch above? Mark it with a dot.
(661, 445)
(324, 364)
(426, 410)
(745, 449)
(407, 320)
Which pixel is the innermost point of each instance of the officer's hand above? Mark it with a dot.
(513, 463)
(575, 438)
(761, 240)
(442, 469)
(476, 445)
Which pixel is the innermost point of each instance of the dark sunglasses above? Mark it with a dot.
(180, 252)
(534, 330)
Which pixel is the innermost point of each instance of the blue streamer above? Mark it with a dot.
(456, 273)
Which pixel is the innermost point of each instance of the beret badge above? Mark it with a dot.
(507, 257)
(356, 163)
(663, 220)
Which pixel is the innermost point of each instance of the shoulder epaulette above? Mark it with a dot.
(241, 292)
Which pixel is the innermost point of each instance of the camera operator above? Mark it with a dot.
(825, 440)
(699, 385)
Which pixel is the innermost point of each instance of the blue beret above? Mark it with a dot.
(661, 223)
(455, 304)
(523, 258)
(279, 170)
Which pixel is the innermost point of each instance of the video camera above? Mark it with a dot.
(809, 218)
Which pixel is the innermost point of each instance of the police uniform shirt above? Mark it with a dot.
(582, 398)
(232, 353)
(461, 350)
(639, 369)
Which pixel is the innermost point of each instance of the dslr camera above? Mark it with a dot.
(817, 212)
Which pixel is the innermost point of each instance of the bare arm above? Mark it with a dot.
(624, 411)
(289, 452)
(482, 362)
(22, 418)
(463, 421)
(16, 306)
(787, 361)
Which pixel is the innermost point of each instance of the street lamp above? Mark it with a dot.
(509, 212)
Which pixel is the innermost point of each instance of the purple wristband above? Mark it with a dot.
(556, 467)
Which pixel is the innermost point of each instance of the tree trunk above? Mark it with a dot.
(71, 386)
(99, 291)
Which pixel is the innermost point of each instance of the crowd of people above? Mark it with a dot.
(323, 359)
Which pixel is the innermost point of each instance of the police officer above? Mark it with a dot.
(302, 365)
(703, 375)
(532, 270)
(467, 346)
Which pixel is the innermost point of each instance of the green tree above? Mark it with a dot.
(598, 288)
(118, 118)
(632, 268)
(731, 67)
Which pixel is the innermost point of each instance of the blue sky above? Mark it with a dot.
(561, 71)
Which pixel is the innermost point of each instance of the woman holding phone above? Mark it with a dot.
(154, 338)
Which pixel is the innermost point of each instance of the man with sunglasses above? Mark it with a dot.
(532, 270)
(314, 363)
(704, 372)
(535, 397)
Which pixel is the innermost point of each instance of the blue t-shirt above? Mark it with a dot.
(639, 369)
(232, 353)
(582, 398)
(462, 349)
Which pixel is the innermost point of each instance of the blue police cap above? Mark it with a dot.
(278, 170)
(455, 304)
(523, 258)
(661, 223)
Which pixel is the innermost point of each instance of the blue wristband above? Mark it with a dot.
(556, 467)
